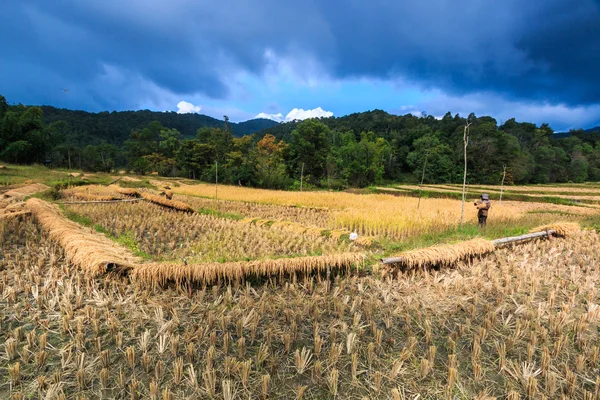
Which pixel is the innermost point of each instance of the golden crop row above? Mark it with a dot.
(380, 214)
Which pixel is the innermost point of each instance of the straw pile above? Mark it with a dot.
(92, 252)
(127, 191)
(13, 210)
(160, 273)
(93, 197)
(92, 193)
(19, 193)
(130, 179)
(24, 191)
(446, 254)
(561, 228)
(174, 204)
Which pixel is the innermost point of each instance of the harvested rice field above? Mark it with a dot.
(114, 291)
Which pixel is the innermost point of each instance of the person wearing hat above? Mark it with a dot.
(483, 205)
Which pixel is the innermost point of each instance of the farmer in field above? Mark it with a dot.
(483, 205)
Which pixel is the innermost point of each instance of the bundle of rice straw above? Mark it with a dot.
(174, 204)
(92, 252)
(129, 178)
(562, 228)
(127, 191)
(93, 193)
(446, 254)
(19, 193)
(93, 197)
(13, 210)
(160, 273)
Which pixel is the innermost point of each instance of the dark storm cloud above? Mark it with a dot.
(533, 51)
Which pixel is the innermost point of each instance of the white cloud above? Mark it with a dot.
(275, 117)
(297, 114)
(183, 107)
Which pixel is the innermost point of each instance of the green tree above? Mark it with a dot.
(270, 167)
(170, 141)
(309, 147)
(144, 142)
(440, 166)
(578, 169)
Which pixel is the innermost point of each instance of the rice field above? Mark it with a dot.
(378, 215)
(116, 292)
(517, 323)
(165, 234)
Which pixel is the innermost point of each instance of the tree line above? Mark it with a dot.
(354, 151)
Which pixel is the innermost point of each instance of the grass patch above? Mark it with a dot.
(144, 183)
(554, 212)
(220, 214)
(17, 174)
(125, 239)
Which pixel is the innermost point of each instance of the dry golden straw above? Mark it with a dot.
(92, 197)
(13, 210)
(160, 273)
(127, 191)
(446, 254)
(561, 228)
(93, 193)
(92, 252)
(19, 193)
(174, 204)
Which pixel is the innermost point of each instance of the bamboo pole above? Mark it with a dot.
(301, 176)
(528, 236)
(216, 180)
(466, 143)
(422, 179)
(502, 187)
(115, 181)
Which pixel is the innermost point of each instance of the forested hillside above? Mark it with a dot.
(356, 150)
(115, 127)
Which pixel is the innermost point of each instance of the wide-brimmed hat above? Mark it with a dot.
(485, 196)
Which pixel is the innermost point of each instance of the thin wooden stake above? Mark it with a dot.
(216, 180)
(301, 176)
(503, 177)
(464, 188)
(422, 179)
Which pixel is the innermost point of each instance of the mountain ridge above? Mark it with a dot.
(116, 126)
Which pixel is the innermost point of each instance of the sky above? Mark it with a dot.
(284, 60)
